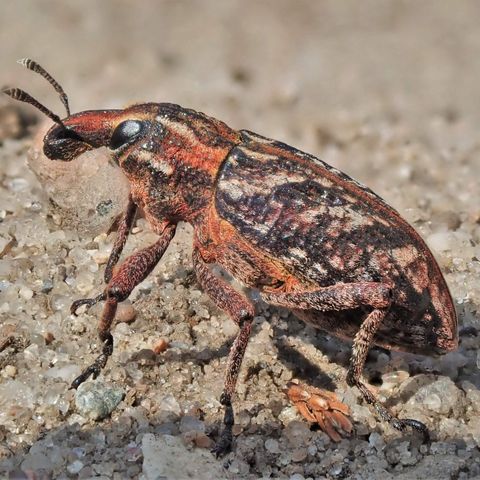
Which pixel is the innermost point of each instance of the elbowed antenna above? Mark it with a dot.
(22, 96)
(37, 68)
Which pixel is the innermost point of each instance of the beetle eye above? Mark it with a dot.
(125, 133)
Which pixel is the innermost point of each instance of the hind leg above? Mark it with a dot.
(361, 345)
(344, 297)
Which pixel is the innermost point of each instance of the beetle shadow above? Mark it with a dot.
(301, 367)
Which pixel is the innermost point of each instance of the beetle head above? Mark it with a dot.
(83, 131)
(119, 130)
(170, 155)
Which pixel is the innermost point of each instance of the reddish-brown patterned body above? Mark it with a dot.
(305, 235)
(275, 217)
(323, 228)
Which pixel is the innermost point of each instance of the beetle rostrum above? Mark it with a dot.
(305, 235)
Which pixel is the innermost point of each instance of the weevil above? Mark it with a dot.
(306, 236)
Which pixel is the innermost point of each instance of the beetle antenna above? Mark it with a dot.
(22, 96)
(37, 68)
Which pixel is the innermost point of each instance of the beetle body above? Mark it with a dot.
(307, 236)
(324, 228)
(277, 218)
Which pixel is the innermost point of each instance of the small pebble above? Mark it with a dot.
(203, 441)
(49, 337)
(160, 346)
(100, 257)
(97, 400)
(26, 293)
(297, 476)
(376, 440)
(272, 446)
(230, 328)
(10, 371)
(299, 454)
(188, 424)
(125, 313)
(75, 467)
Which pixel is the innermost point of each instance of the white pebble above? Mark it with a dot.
(272, 446)
(26, 293)
(230, 328)
(10, 371)
(297, 476)
(75, 467)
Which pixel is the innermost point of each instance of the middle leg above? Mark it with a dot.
(241, 311)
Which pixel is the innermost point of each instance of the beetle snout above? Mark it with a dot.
(80, 132)
(64, 144)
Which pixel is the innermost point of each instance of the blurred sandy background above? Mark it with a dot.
(244, 61)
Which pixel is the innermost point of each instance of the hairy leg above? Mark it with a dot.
(336, 297)
(123, 231)
(242, 312)
(361, 345)
(347, 296)
(130, 273)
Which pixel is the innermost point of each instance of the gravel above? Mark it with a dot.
(95, 400)
(403, 129)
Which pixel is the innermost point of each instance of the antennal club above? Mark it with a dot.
(22, 96)
(37, 68)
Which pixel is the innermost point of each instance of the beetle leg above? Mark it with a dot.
(336, 297)
(242, 312)
(342, 297)
(123, 231)
(130, 273)
(361, 345)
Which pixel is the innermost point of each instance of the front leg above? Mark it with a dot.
(345, 296)
(132, 272)
(241, 311)
(123, 231)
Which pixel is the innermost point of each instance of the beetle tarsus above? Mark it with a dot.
(96, 367)
(403, 423)
(89, 302)
(224, 444)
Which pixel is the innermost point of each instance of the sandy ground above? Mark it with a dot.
(386, 91)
